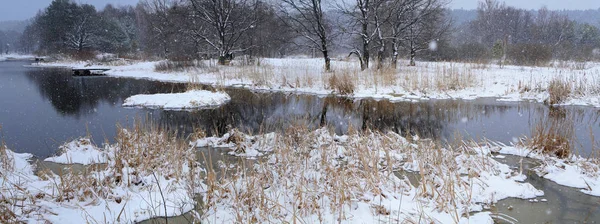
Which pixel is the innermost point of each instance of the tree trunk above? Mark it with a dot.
(394, 53)
(327, 61)
(365, 56)
(380, 55)
(413, 53)
(365, 53)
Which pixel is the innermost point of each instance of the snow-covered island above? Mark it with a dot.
(193, 99)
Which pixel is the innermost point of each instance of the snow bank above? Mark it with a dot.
(133, 187)
(576, 172)
(80, 151)
(427, 80)
(319, 177)
(179, 101)
(4, 57)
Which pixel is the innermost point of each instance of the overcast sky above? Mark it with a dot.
(24, 9)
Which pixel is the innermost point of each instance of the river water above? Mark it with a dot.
(42, 108)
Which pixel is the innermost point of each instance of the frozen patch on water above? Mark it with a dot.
(179, 101)
(80, 151)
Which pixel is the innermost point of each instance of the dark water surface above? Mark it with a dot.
(42, 108)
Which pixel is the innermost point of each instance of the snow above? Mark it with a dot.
(241, 144)
(93, 196)
(309, 174)
(80, 151)
(428, 80)
(4, 57)
(575, 171)
(179, 101)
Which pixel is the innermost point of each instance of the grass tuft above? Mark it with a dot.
(342, 83)
(178, 66)
(558, 91)
(553, 136)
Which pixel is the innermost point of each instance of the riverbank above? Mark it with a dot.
(5, 57)
(565, 83)
(301, 175)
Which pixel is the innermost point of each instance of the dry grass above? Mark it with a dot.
(553, 136)
(558, 90)
(342, 82)
(139, 152)
(259, 75)
(6, 205)
(315, 175)
(328, 190)
(179, 66)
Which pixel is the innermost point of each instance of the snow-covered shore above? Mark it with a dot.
(193, 99)
(428, 80)
(4, 57)
(307, 176)
(140, 181)
(574, 171)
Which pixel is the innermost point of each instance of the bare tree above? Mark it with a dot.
(367, 18)
(424, 34)
(222, 24)
(410, 19)
(156, 19)
(306, 17)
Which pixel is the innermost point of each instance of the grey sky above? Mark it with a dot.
(534, 4)
(24, 9)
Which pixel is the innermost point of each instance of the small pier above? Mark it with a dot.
(89, 71)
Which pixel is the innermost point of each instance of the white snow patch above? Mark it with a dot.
(575, 171)
(4, 57)
(179, 101)
(137, 196)
(80, 151)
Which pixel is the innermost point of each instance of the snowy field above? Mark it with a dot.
(428, 80)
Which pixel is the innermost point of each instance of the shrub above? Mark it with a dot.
(558, 91)
(178, 66)
(530, 54)
(553, 137)
(342, 84)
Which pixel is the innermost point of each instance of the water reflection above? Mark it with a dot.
(42, 108)
(80, 95)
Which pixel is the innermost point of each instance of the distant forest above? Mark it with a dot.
(377, 30)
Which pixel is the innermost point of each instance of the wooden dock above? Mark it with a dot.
(89, 71)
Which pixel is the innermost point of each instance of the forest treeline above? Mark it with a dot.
(377, 32)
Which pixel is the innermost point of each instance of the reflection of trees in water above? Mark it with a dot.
(248, 111)
(265, 112)
(80, 95)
